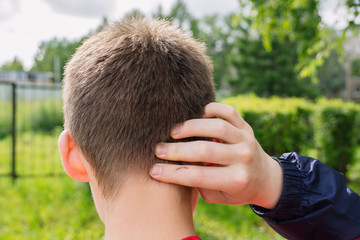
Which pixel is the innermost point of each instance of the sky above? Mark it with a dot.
(24, 24)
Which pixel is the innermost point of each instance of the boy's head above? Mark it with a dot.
(125, 88)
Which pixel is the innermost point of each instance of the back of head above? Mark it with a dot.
(126, 87)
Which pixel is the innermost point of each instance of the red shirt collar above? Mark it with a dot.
(192, 238)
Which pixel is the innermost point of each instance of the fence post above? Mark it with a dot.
(13, 132)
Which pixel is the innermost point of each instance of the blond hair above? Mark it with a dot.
(126, 87)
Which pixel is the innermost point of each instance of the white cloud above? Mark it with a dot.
(205, 7)
(36, 22)
(8, 8)
(84, 8)
(145, 6)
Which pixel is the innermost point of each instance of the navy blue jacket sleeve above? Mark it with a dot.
(315, 202)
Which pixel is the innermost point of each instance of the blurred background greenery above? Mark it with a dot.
(276, 62)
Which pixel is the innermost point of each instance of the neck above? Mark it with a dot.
(148, 210)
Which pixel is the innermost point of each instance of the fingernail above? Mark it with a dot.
(175, 130)
(156, 170)
(160, 149)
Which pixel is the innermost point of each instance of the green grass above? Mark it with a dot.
(47, 208)
(31, 116)
(60, 208)
(36, 154)
(213, 221)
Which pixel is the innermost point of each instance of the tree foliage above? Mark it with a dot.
(218, 33)
(241, 63)
(14, 65)
(270, 73)
(355, 66)
(51, 51)
(300, 20)
(353, 12)
(273, 49)
(331, 76)
(213, 30)
(283, 19)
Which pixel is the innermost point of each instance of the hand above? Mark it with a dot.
(244, 173)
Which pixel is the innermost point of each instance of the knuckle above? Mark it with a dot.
(241, 181)
(221, 127)
(251, 141)
(232, 111)
(203, 151)
(247, 155)
(250, 130)
(237, 180)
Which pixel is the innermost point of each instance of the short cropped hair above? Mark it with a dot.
(126, 87)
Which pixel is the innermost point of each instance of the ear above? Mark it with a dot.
(72, 158)
(195, 199)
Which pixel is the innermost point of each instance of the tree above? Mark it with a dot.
(54, 53)
(178, 15)
(355, 67)
(331, 76)
(300, 20)
(219, 35)
(214, 30)
(15, 65)
(134, 13)
(268, 73)
(241, 63)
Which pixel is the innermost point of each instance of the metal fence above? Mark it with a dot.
(30, 122)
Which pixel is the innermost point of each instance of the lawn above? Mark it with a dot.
(60, 208)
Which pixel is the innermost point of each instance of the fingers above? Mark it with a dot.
(198, 151)
(218, 197)
(212, 182)
(212, 178)
(212, 128)
(226, 112)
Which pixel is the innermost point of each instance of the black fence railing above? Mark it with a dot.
(30, 121)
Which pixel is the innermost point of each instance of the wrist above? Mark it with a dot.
(272, 184)
(292, 191)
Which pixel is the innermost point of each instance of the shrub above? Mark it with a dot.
(294, 124)
(35, 116)
(280, 125)
(336, 132)
(46, 116)
(5, 119)
(355, 66)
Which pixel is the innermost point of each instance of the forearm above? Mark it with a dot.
(315, 202)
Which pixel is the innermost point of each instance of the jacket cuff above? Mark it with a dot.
(291, 195)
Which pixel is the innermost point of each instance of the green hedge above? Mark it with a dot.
(46, 116)
(295, 124)
(35, 116)
(280, 125)
(337, 131)
(5, 119)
